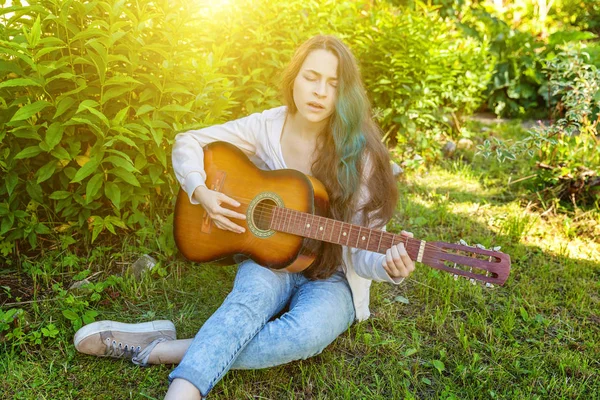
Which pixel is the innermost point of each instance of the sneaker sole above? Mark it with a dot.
(148, 327)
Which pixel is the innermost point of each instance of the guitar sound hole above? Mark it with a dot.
(263, 214)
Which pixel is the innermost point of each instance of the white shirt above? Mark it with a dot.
(259, 137)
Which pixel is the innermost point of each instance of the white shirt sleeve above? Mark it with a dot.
(188, 155)
(368, 264)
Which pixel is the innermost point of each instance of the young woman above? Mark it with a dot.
(325, 130)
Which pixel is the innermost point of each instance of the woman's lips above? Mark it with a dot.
(315, 108)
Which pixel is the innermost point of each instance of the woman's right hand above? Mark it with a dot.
(212, 200)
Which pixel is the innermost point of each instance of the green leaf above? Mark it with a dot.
(401, 299)
(46, 171)
(11, 181)
(63, 75)
(28, 152)
(26, 132)
(125, 175)
(157, 135)
(60, 195)
(88, 168)
(7, 223)
(114, 92)
(93, 186)
(47, 50)
(155, 171)
(118, 119)
(524, 314)
(70, 315)
(174, 108)
(120, 162)
(98, 114)
(60, 153)
(410, 352)
(63, 105)
(145, 109)
(438, 365)
(159, 152)
(109, 226)
(116, 221)
(42, 229)
(36, 31)
(99, 58)
(54, 134)
(19, 82)
(112, 191)
(85, 104)
(120, 80)
(98, 228)
(35, 191)
(29, 110)
(90, 316)
(86, 121)
(89, 33)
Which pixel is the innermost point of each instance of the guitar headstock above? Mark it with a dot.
(472, 262)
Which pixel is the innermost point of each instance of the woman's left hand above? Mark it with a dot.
(397, 263)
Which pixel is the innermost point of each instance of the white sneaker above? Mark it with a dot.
(121, 340)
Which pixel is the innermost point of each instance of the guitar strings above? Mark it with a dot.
(267, 210)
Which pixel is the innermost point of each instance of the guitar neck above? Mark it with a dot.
(333, 231)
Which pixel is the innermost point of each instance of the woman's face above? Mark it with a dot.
(315, 86)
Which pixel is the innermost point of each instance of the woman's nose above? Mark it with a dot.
(321, 89)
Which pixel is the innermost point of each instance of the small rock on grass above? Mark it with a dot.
(144, 263)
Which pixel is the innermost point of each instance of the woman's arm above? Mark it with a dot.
(188, 155)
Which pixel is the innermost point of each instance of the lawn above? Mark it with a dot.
(432, 337)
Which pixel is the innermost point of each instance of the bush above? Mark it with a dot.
(92, 94)
(570, 167)
(567, 152)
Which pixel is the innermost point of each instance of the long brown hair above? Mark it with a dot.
(347, 147)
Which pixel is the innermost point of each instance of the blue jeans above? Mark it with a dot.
(241, 334)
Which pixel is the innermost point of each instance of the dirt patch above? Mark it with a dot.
(15, 287)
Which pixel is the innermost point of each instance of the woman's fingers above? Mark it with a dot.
(225, 224)
(397, 263)
(228, 200)
(405, 258)
(220, 215)
(232, 214)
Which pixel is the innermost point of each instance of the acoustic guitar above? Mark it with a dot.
(285, 223)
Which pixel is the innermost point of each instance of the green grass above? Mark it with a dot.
(535, 337)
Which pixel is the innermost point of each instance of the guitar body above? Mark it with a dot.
(229, 171)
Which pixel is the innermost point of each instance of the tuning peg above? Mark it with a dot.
(462, 242)
(455, 277)
(489, 285)
(480, 246)
(472, 281)
(497, 248)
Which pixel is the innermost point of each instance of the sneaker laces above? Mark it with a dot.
(120, 350)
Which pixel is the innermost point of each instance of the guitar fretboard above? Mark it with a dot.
(333, 231)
